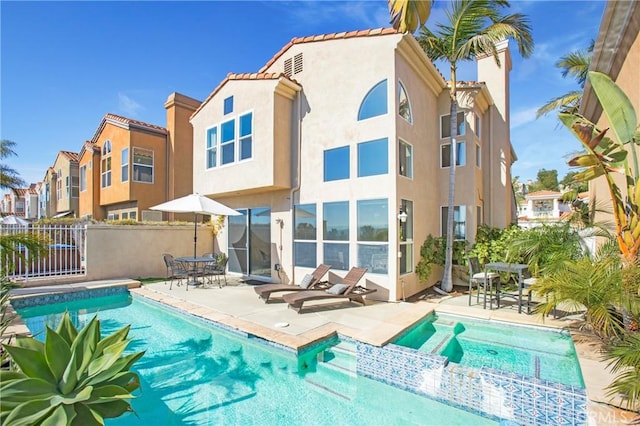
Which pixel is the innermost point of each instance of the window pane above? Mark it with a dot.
(211, 157)
(228, 131)
(406, 227)
(461, 153)
(245, 148)
(336, 164)
(375, 102)
(373, 158)
(125, 165)
(445, 125)
(336, 255)
(404, 107)
(478, 156)
(304, 222)
(445, 156)
(406, 259)
(212, 137)
(228, 105)
(304, 254)
(227, 153)
(245, 125)
(336, 221)
(373, 223)
(406, 159)
(373, 257)
(459, 222)
(143, 157)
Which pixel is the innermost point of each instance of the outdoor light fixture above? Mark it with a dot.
(402, 216)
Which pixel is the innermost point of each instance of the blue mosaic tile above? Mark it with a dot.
(46, 299)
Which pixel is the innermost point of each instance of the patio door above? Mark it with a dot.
(250, 242)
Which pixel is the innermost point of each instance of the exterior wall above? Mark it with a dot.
(69, 169)
(268, 168)
(89, 203)
(499, 204)
(50, 183)
(180, 145)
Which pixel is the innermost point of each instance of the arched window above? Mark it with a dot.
(404, 105)
(106, 148)
(375, 102)
(105, 165)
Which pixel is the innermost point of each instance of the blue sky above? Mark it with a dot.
(66, 64)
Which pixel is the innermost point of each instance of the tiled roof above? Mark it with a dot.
(71, 156)
(242, 76)
(542, 193)
(333, 36)
(128, 122)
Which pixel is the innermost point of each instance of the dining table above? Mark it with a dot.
(520, 269)
(193, 265)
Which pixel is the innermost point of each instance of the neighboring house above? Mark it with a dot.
(129, 166)
(338, 151)
(543, 208)
(31, 207)
(47, 195)
(5, 203)
(22, 202)
(65, 181)
(617, 54)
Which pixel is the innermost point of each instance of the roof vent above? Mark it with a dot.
(287, 67)
(297, 63)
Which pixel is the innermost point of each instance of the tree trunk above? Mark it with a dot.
(447, 281)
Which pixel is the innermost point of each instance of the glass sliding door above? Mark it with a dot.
(260, 242)
(250, 242)
(238, 242)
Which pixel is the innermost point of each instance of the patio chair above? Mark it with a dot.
(175, 270)
(216, 268)
(310, 281)
(480, 279)
(346, 289)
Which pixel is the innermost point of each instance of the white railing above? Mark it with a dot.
(64, 254)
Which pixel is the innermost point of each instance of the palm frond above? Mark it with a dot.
(567, 103)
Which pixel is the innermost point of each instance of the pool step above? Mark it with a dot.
(336, 371)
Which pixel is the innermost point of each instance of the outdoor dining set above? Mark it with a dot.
(196, 270)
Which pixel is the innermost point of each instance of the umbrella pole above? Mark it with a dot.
(195, 234)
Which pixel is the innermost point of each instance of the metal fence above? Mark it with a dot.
(64, 254)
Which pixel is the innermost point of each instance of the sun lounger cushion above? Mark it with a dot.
(306, 281)
(337, 289)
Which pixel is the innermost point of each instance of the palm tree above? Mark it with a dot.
(408, 15)
(9, 178)
(474, 28)
(576, 64)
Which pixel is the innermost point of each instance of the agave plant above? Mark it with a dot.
(73, 378)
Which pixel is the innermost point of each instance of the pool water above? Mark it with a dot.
(196, 373)
(532, 351)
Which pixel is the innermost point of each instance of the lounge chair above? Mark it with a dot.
(347, 288)
(311, 281)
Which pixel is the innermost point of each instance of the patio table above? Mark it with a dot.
(194, 266)
(518, 268)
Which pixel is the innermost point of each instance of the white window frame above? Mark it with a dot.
(217, 146)
(136, 165)
(461, 142)
(124, 165)
(402, 142)
(443, 221)
(83, 178)
(464, 125)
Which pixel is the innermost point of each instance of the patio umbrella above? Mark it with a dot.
(196, 204)
(14, 220)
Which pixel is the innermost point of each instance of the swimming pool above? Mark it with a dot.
(197, 373)
(532, 351)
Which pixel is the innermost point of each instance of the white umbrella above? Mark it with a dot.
(196, 204)
(14, 220)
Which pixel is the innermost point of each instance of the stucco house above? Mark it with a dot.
(543, 208)
(338, 151)
(129, 166)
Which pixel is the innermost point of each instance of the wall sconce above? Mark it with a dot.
(402, 216)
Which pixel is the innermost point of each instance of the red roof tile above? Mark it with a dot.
(71, 156)
(543, 193)
(332, 36)
(129, 122)
(242, 76)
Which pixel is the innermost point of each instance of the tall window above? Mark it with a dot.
(405, 156)
(59, 185)
(404, 106)
(105, 165)
(212, 147)
(83, 178)
(406, 238)
(142, 165)
(478, 156)
(67, 185)
(374, 102)
(459, 222)
(477, 125)
(335, 231)
(373, 235)
(75, 187)
(245, 138)
(304, 235)
(336, 164)
(125, 165)
(373, 158)
(445, 125)
(445, 158)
